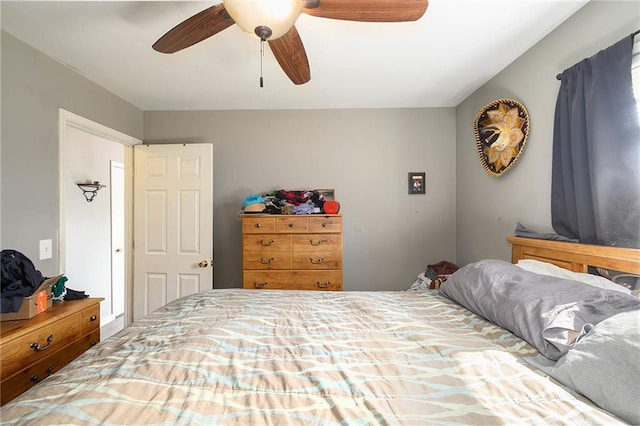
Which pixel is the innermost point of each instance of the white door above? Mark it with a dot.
(173, 223)
(117, 238)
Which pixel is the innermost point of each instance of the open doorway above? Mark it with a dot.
(95, 235)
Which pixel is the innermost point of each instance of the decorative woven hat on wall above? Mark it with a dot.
(501, 130)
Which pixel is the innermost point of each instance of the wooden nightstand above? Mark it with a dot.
(292, 252)
(33, 349)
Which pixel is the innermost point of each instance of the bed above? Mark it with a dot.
(322, 358)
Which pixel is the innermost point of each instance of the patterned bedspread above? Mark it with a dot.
(301, 357)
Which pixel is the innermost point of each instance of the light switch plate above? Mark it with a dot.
(45, 249)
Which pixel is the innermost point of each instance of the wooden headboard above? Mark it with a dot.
(575, 257)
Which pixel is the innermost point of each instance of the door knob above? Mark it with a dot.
(203, 263)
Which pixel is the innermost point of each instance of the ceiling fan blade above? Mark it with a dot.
(290, 53)
(195, 29)
(367, 10)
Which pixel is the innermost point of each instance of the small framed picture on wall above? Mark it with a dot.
(416, 183)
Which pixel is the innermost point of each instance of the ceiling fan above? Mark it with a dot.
(274, 21)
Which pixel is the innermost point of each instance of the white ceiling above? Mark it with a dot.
(436, 61)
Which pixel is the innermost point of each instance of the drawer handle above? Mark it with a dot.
(323, 285)
(325, 225)
(37, 379)
(266, 261)
(258, 225)
(36, 346)
(260, 285)
(266, 243)
(291, 225)
(316, 261)
(93, 318)
(317, 242)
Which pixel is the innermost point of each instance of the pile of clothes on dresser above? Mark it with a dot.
(285, 202)
(20, 279)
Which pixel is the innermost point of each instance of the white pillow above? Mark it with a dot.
(544, 268)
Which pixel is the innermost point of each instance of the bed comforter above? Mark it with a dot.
(302, 357)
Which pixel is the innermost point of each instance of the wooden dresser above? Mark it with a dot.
(292, 252)
(33, 349)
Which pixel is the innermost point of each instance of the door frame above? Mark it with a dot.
(118, 234)
(67, 120)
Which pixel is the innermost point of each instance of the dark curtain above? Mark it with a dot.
(595, 190)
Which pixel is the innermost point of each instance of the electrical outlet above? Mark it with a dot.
(45, 249)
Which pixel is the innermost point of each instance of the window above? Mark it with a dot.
(595, 194)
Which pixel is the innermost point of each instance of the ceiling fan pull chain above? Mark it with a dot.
(261, 57)
(264, 33)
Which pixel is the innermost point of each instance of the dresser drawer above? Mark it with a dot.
(266, 260)
(313, 260)
(23, 380)
(258, 225)
(317, 242)
(39, 343)
(266, 242)
(290, 224)
(90, 319)
(325, 224)
(293, 280)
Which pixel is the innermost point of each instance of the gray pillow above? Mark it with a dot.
(550, 313)
(604, 366)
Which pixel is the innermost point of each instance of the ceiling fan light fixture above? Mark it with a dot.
(277, 15)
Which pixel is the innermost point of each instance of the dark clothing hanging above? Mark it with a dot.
(595, 193)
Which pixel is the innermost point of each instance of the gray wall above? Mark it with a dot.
(489, 208)
(365, 155)
(34, 86)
